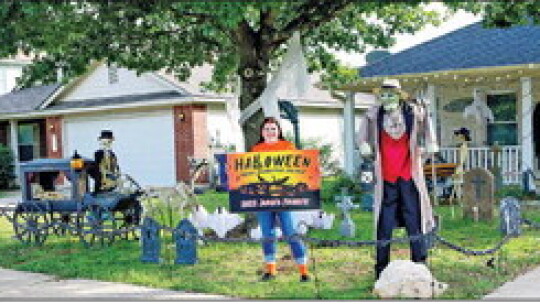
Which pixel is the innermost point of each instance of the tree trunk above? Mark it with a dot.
(253, 66)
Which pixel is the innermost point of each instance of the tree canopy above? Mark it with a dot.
(244, 38)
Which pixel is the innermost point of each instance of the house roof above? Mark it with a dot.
(125, 99)
(26, 100)
(470, 47)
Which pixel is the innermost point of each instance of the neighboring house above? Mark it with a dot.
(157, 122)
(500, 67)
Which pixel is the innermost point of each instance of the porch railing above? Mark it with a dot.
(509, 160)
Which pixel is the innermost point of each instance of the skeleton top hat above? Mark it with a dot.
(106, 134)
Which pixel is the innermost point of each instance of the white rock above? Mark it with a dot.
(405, 279)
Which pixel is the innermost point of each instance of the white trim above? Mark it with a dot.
(169, 83)
(527, 108)
(348, 133)
(500, 92)
(51, 98)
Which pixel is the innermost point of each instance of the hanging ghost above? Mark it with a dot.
(479, 108)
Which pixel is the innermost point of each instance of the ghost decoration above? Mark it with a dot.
(199, 217)
(479, 108)
(221, 221)
(256, 233)
(323, 220)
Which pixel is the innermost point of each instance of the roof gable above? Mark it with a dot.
(98, 85)
(470, 47)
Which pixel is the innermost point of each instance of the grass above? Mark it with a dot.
(234, 269)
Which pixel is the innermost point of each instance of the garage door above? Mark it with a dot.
(144, 143)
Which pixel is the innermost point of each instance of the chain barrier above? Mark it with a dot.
(431, 236)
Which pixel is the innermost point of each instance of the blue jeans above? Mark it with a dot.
(268, 222)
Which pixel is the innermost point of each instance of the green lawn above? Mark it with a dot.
(234, 269)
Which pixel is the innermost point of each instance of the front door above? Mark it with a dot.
(31, 140)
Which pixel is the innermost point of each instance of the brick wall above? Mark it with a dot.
(53, 136)
(190, 137)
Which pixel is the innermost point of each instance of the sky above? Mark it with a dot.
(405, 41)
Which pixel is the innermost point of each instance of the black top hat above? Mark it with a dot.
(106, 134)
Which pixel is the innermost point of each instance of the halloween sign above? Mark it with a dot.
(284, 180)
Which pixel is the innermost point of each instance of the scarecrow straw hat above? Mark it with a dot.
(391, 84)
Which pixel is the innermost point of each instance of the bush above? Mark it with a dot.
(332, 186)
(514, 191)
(329, 166)
(7, 168)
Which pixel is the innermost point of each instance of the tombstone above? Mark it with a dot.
(478, 194)
(185, 238)
(151, 241)
(510, 216)
(345, 203)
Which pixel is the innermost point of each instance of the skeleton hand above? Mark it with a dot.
(365, 149)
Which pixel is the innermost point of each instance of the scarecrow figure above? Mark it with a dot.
(107, 172)
(393, 133)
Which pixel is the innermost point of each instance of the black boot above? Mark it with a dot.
(267, 277)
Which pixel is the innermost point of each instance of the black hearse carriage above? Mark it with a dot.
(56, 199)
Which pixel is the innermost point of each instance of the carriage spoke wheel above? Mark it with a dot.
(127, 219)
(63, 224)
(97, 226)
(31, 226)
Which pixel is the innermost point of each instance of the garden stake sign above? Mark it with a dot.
(284, 180)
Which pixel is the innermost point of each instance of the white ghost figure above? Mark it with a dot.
(221, 221)
(199, 217)
(323, 220)
(479, 108)
(256, 233)
(305, 216)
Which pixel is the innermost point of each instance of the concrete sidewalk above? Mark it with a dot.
(21, 285)
(524, 287)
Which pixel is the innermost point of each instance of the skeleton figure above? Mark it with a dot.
(108, 172)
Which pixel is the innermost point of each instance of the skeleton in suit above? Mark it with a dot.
(106, 172)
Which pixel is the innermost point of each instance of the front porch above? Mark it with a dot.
(509, 93)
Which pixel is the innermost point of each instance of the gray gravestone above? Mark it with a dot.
(185, 238)
(510, 216)
(478, 194)
(151, 242)
(347, 228)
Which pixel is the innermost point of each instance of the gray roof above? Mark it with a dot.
(27, 99)
(470, 47)
(125, 99)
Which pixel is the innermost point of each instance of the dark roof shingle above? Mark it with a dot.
(470, 47)
(27, 99)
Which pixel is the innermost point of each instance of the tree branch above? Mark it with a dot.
(312, 14)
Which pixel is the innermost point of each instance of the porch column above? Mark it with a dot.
(348, 131)
(14, 142)
(526, 124)
(431, 95)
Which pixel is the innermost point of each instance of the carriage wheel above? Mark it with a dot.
(63, 223)
(31, 226)
(127, 218)
(97, 226)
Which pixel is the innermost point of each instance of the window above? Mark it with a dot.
(504, 127)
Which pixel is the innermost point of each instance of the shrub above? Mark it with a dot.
(329, 166)
(7, 168)
(332, 186)
(514, 191)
